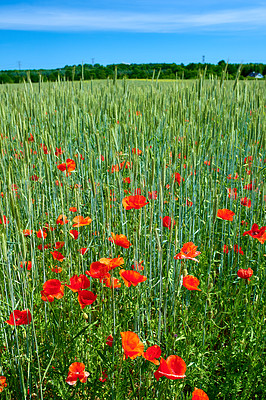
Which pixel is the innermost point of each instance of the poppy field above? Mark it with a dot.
(132, 240)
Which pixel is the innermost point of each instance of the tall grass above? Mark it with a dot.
(203, 130)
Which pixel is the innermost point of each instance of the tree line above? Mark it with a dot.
(133, 71)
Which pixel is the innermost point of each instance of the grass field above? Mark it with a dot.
(72, 150)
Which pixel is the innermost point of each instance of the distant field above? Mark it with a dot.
(80, 161)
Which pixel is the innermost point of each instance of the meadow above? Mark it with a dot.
(177, 171)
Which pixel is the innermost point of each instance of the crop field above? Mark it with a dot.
(132, 240)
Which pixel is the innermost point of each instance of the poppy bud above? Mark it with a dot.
(184, 273)
(85, 316)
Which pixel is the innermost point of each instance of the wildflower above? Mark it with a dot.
(19, 318)
(245, 273)
(59, 245)
(132, 345)
(81, 221)
(257, 233)
(109, 340)
(199, 394)
(173, 367)
(56, 269)
(41, 234)
(225, 214)
(83, 250)
(73, 209)
(131, 277)
(28, 265)
(69, 166)
(238, 249)
(61, 220)
(34, 178)
(120, 240)
(232, 193)
(3, 383)
(137, 265)
(178, 178)
(78, 282)
(191, 283)
(103, 377)
(136, 151)
(57, 256)
(85, 298)
(152, 353)
(58, 151)
(5, 220)
(135, 202)
(112, 262)
(97, 270)
(74, 233)
(27, 232)
(168, 222)
(127, 180)
(245, 202)
(77, 371)
(225, 249)
(188, 252)
(52, 289)
(153, 195)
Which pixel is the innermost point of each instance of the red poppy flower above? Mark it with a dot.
(232, 193)
(56, 269)
(137, 265)
(74, 233)
(61, 220)
(59, 245)
(168, 222)
(131, 277)
(27, 232)
(238, 249)
(52, 289)
(127, 180)
(189, 203)
(81, 221)
(191, 283)
(249, 186)
(3, 383)
(112, 262)
(97, 270)
(83, 250)
(245, 202)
(85, 298)
(152, 353)
(257, 233)
(69, 166)
(103, 377)
(58, 151)
(225, 214)
(77, 371)
(245, 273)
(153, 195)
(199, 394)
(173, 367)
(132, 345)
(41, 234)
(135, 202)
(31, 138)
(120, 240)
(136, 151)
(111, 282)
(34, 178)
(188, 252)
(225, 249)
(78, 282)
(178, 178)
(28, 265)
(57, 256)
(73, 209)
(109, 340)
(19, 318)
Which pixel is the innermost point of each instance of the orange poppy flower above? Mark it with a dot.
(112, 262)
(152, 353)
(73, 209)
(69, 166)
(168, 222)
(77, 371)
(52, 289)
(173, 367)
(28, 265)
(78, 282)
(225, 214)
(188, 252)
(19, 318)
(81, 221)
(27, 232)
(61, 220)
(245, 273)
(59, 245)
(85, 298)
(257, 233)
(136, 151)
(132, 345)
(97, 270)
(3, 383)
(57, 256)
(135, 202)
(191, 283)
(74, 233)
(120, 240)
(56, 269)
(131, 277)
(199, 394)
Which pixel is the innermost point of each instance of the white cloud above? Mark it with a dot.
(41, 19)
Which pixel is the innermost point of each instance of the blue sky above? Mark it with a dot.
(50, 34)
